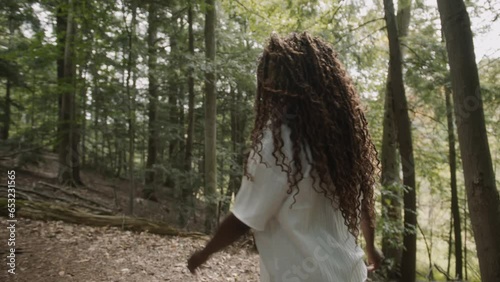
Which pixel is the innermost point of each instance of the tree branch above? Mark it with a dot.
(358, 27)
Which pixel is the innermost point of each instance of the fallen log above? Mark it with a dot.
(51, 211)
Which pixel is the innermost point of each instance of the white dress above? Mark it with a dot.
(306, 241)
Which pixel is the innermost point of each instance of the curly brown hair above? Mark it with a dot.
(302, 83)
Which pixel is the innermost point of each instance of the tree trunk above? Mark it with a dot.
(68, 156)
(131, 107)
(4, 131)
(466, 277)
(210, 117)
(187, 190)
(174, 125)
(482, 194)
(237, 145)
(392, 191)
(153, 102)
(408, 262)
(455, 209)
(390, 179)
(84, 123)
(173, 119)
(5, 127)
(61, 26)
(75, 123)
(450, 238)
(95, 104)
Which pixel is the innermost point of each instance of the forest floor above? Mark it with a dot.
(54, 251)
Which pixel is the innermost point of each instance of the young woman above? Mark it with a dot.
(309, 179)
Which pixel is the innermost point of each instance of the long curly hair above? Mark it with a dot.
(302, 83)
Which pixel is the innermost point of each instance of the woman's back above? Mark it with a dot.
(300, 236)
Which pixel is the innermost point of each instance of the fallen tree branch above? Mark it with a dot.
(71, 193)
(35, 195)
(12, 154)
(50, 211)
(22, 195)
(442, 271)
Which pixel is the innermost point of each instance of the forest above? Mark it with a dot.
(129, 121)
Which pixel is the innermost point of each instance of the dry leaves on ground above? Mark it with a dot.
(56, 251)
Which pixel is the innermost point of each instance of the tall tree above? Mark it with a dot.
(130, 92)
(188, 156)
(403, 125)
(238, 123)
(68, 137)
(153, 100)
(455, 209)
(390, 179)
(482, 194)
(210, 116)
(61, 23)
(5, 126)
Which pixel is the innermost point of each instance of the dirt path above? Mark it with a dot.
(56, 251)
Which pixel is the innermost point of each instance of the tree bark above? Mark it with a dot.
(482, 194)
(153, 101)
(210, 117)
(408, 262)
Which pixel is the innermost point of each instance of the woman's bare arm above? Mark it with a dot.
(375, 256)
(229, 231)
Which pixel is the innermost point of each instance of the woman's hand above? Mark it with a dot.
(197, 259)
(375, 258)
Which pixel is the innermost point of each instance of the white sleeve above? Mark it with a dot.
(260, 197)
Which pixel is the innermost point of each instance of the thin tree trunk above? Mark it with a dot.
(482, 194)
(95, 105)
(4, 132)
(68, 157)
(408, 262)
(61, 26)
(131, 106)
(75, 124)
(390, 180)
(237, 145)
(153, 102)
(455, 209)
(466, 277)
(392, 190)
(187, 190)
(450, 243)
(84, 123)
(173, 121)
(210, 117)
(172, 180)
